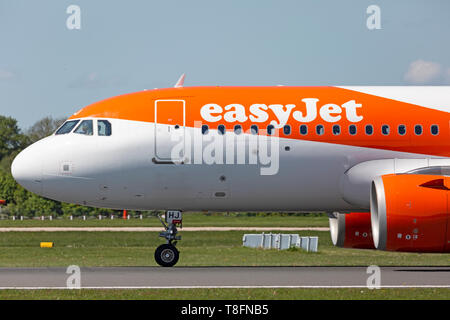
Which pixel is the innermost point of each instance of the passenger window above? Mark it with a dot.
(303, 129)
(270, 129)
(434, 129)
(352, 129)
(238, 129)
(369, 129)
(287, 130)
(221, 129)
(254, 129)
(418, 129)
(385, 129)
(320, 129)
(85, 128)
(67, 127)
(104, 128)
(205, 129)
(336, 129)
(402, 129)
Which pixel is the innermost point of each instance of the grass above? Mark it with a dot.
(21, 249)
(194, 219)
(230, 294)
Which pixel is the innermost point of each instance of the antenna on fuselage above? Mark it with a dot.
(180, 81)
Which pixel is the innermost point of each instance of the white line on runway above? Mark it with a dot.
(227, 287)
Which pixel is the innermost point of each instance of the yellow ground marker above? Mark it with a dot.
(46, 244)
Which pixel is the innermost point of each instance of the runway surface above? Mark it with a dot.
(223, 277)
(157, 229)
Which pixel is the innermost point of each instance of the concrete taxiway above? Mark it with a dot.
(223, 277)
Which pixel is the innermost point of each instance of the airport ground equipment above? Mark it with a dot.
(167, 255)
(280, 241)
(46, 244)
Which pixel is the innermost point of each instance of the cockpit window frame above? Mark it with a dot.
(108, 124)
(84, 134)
(76, 123)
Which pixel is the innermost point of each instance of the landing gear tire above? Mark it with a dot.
(166, 255)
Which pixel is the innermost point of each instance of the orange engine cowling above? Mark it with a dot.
(410, 212)
(351, 230)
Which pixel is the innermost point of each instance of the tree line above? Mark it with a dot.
(20, 202)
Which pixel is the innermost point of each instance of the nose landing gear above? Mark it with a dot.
(166, 255)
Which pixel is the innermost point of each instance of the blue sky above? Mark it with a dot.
(127, 46)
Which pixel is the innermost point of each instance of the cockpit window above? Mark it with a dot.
(85, 127)
(104, 128)
(67, 127)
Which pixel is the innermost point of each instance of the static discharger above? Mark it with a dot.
(46, 244)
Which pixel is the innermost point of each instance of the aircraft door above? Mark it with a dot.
(170, 130)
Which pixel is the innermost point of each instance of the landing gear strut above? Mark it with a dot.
(166, 255)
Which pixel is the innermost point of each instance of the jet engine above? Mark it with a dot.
(351, 230)
(410, 212)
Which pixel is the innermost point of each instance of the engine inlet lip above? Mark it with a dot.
(378, 214)
(337, 229)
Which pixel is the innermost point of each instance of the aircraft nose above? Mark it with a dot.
(27, 169)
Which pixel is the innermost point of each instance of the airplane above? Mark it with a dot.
(376, 159)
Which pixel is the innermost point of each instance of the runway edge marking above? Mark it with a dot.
(226, 287)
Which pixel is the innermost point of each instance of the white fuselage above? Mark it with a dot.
(118, 172)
